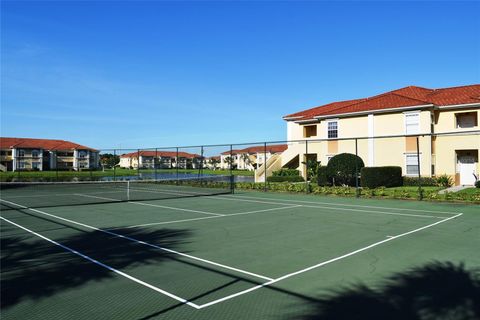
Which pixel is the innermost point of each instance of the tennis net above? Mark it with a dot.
(53, 194)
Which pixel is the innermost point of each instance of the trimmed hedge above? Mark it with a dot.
(425, 182)
(341, 169)
(322, 177)
(285, 172)
(285, 179)
(389, 176)
(477, 184)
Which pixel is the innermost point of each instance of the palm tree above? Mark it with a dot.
(246, 159)
(213, 162)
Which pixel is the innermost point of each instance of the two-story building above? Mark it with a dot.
(250, 158)
(150, 159)
(45, 154)
(383, 131)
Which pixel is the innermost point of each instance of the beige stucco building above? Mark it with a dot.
(160, 159)
(445, 122)
(18, 154)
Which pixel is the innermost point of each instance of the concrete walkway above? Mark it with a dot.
(454, 189)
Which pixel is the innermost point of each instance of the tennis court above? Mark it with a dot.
(112, 251)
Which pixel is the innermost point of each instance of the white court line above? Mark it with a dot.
(143, 242)
(151, 205)
(203, 218)
(231, 198)
(324, 263)
(173, 208)
(59, 194)
(345, 205)
(123, 274)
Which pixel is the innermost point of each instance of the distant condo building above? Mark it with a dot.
(45, 154)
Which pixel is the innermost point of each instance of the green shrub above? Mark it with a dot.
(373, 177)
(425, 181)
(342, 168)
(322, 177)
(444, 181)
(285, 179)
(477, 184)
(286, 173)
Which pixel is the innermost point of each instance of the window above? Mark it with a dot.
(332, 129)
(411, 161)
(309, 131)
(35, 154)
(21, 153)
(81, 154)
(466, 120)
(21, 165)
(35, 165)
(412, 123)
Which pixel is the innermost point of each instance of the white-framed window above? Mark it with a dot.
(21, 153)
(34, 153)
(21, 165)
(332, 129)
(82, 154)
(411, 164)
(36, 165)
(412, 122)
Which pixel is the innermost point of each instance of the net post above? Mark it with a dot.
(306, 167)
(176, 166)
(155, 164)
(357, 190)
(420, 191)
(114, 164)
(264, 167)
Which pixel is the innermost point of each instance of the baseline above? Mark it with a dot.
(346, 205)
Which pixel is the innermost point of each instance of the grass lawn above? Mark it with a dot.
(469, 191)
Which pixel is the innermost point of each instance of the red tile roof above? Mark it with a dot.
(405, 97)
(160, 153)
(259, 149)
(46, 144)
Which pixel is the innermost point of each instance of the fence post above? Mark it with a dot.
(232, 179)
(114, 164)
(200, 167)
(306, 167)
(138, 162)
(420, 191)
(264, 167)
(357, 190)
(176, 166)
(155, 159)
(56, 165)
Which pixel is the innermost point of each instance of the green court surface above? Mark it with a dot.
(243, 256)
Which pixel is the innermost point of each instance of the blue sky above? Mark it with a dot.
(145, 74)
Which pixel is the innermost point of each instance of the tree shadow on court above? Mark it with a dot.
(34, 269)
(437, 290)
